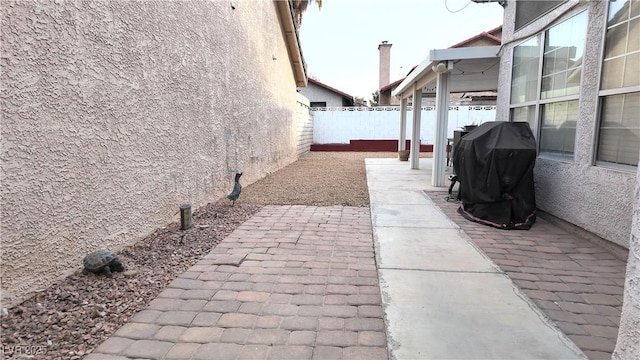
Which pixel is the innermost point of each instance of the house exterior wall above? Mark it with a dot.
(317, 93)
(595, 198)
(628, 346)
(115, 113)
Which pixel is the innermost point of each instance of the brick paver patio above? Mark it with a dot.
(577, 283)
(292, 282)
(300, 282)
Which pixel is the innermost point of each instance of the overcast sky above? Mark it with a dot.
(340, 41)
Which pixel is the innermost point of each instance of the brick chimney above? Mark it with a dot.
(385, 64)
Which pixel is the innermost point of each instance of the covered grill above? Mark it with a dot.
(494, 164)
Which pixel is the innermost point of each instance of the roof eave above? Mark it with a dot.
(290, 33)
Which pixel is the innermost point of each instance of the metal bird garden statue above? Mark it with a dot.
(237, 188)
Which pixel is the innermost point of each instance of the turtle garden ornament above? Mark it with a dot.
(102, 261)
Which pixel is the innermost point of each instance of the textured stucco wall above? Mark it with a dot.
(595, 198)
(115, 113)
(628, 344)
(315, 93)
(304, 124)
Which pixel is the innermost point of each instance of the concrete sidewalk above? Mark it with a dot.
(443, 297)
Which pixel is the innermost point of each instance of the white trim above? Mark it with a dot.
(616, 166)
(560, 98)
(557, 157)
(619, 91)
(478, 52)
(418, 77)
(414, 152)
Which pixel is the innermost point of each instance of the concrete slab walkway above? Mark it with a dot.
(443, 297)
(577, 283)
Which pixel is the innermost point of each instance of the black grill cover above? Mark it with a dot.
(494, 164)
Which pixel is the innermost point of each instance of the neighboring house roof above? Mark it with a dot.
(494, 35)
(392, 85)
(489, 35)
(325, 86)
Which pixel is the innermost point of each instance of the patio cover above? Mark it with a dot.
(444, 71)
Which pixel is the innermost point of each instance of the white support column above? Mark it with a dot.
(442, 117)
(415, 132)
(403, 125)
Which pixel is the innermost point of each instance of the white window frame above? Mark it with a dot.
(601, 95)
(538, 102)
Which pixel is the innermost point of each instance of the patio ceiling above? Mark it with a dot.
(469, 69)
(445, 71)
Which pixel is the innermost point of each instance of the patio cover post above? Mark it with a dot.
(415, 131)
(442, 117)
(403, 125)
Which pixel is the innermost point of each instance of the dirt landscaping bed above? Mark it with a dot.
(71, 317)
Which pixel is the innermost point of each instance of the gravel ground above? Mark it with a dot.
(71, 317)
(317, 178)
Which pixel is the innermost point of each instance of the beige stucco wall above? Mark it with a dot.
(628, 344)
(595, 198)
(115, 113)
(304, 124)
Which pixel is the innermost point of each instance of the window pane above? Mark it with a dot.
(524, 79)
(619, 140)
(622, 45)
(612, 71)
(526, 114)
(635, 8)
(634, 35)
(527, 11)
(618, 12)
(562, 61)
(616, 41)
(573, 81)
(558, 128)
(632, 70)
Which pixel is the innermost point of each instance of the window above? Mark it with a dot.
(528, 11)
(545, 84)
(526, 60)
(619, 129)
(318, 104)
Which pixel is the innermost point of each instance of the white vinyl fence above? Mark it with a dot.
(341, 124)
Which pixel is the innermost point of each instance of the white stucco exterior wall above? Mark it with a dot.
(628, 344)
(304, 124)
(595, 198)
(115, 113)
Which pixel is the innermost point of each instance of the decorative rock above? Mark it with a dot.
(130, 273)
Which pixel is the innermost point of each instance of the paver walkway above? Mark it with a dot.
(575, 282)
(300, 282)
(292, 282)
